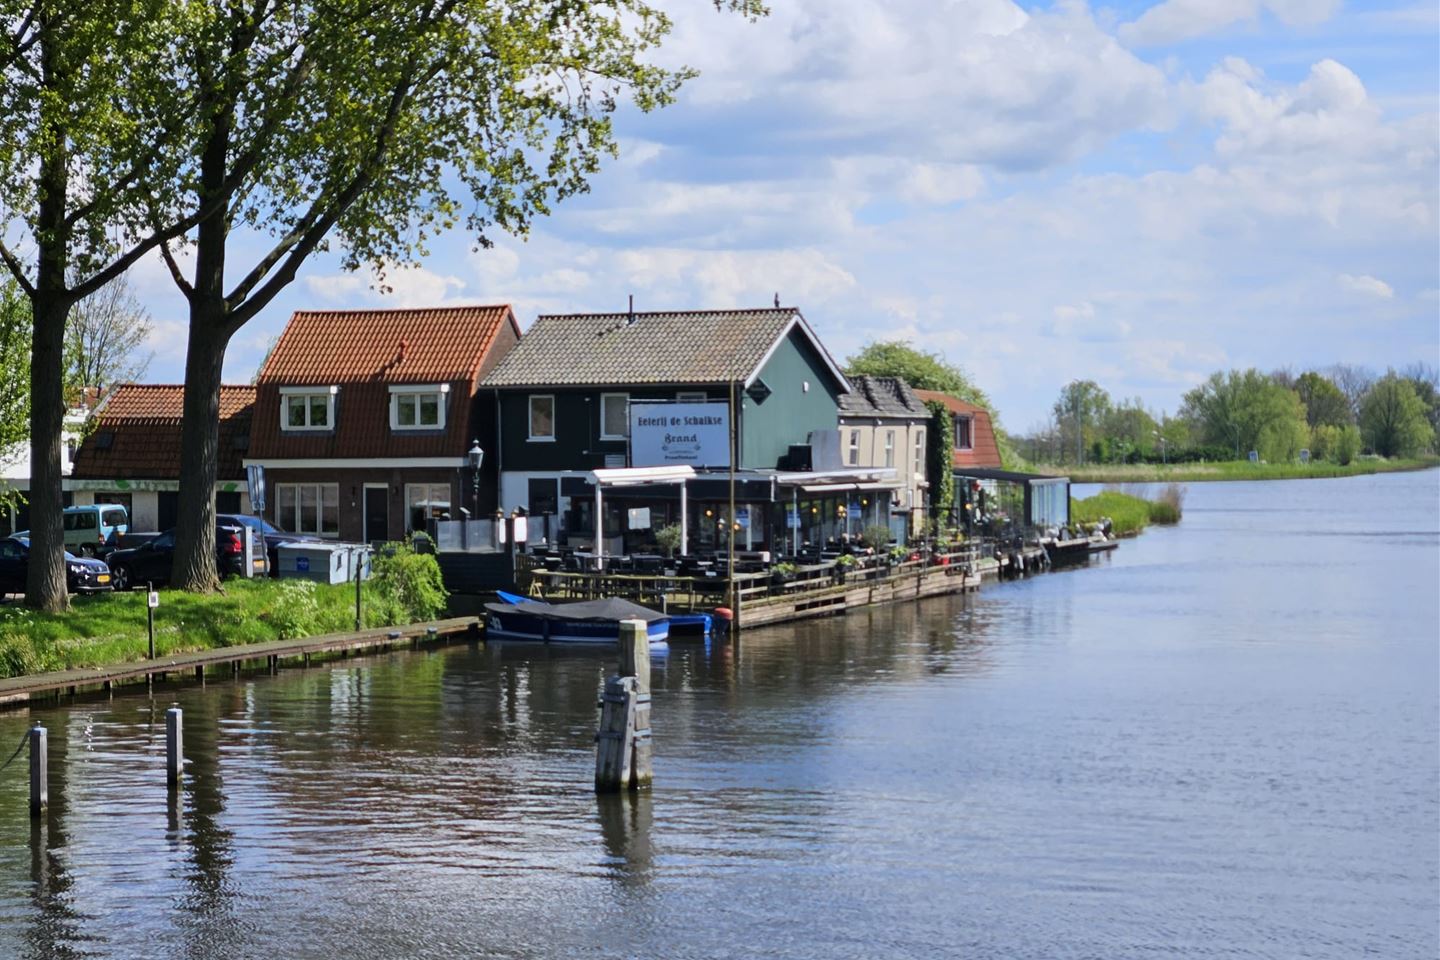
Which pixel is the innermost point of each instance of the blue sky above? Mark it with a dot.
(1133, 193)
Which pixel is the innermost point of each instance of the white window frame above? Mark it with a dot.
(286, 393)
(889, 448)
(853, 457)
(919, 454)
(530, 418)
(291, 523)
(969, 430)
(441, 392)
(604, 399)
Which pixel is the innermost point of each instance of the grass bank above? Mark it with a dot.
(110, 628)
(1128, 513)
(1228, 470)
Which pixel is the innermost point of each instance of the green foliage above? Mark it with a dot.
(296, 609)
(784, 568)
(1169, 506)
(940, 463)
(668, 538)
(1080, 412)
(1246, 410)
(1336, 444)
(406, 586)
(919, 368)
(876, 536)
(1127, 514)
(845, 561)
(1394, 421)
(15, 375)
(1325, 403)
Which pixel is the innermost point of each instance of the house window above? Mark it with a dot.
(307, 408)
(542, 417)
(962, 434)
(312, 508)
(418, 407)
(614, 416)
(691, 396)
(919, 454)
(425, 502)
(854, 456)
(889, 448)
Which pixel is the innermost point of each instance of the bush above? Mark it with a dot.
(1170, 505)
(295, 610)
(668, 538)
(1347, 444)
(406, 587)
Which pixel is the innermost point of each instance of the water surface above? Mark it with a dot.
(1220, 741)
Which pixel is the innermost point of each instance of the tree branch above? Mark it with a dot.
(16, 271)
(175, 273)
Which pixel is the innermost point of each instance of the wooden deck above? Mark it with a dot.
(17, 690)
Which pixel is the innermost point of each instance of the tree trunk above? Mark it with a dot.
(199, 449)
(45, 580)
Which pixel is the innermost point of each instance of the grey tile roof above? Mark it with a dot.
(881, 397)
(606, 349)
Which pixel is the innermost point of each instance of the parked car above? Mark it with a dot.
(151, 562)
(272, 535)
(93, 530)
(82, 575)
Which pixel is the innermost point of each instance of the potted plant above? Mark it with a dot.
(782, 573)
(667, 538)
(843, 563)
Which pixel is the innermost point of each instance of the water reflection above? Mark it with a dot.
(1086, 763)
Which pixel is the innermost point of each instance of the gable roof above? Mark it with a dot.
(676, 347)
(430, 345)
(984, 450)
(881, 397)
(137, 433)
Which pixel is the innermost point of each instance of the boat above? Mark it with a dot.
(586, 622)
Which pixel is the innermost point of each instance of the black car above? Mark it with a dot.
(151, 562)
(82, 575)
(272, 535)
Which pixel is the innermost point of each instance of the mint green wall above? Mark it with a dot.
(790, 412)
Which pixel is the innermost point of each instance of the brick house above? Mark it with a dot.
(363, 419)
(131, 454)
(974, 434)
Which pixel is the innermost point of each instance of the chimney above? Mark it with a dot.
(632, 310)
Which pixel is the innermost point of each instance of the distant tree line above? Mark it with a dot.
(1335, 414)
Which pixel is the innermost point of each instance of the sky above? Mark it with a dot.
(1138, 194)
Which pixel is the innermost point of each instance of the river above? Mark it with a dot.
(1219, 741)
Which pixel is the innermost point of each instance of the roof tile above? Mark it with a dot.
(137, 433)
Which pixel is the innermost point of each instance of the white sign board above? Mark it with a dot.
(693, 434)
(152, 600)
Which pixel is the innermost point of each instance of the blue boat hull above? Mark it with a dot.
(533, 628)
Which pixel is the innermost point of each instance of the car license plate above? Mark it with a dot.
(102, 578)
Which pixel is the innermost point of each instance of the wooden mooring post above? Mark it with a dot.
(623, 752)
(39, 770)
(174, 745)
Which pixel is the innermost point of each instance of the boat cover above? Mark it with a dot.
(609, 609)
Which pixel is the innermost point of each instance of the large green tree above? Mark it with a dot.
(1393, 419)
(1324, 402)
(1246, 410)
(1080, 413)
(373, 125)
(86, 114)
(15, 375)
(921, 369)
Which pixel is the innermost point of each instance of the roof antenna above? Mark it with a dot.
(777, 300)
(632, 310)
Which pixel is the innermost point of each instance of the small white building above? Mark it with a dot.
(882, 425)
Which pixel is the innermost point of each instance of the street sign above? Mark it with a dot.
(153, 600)
(255, 480)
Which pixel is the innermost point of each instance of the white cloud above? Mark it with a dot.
(404, 285)
(1367, 285)
(1177, 20)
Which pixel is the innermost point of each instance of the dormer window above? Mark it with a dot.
(963, 438)
(418, 407)
(307, 408)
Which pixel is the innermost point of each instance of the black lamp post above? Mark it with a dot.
(474, 458)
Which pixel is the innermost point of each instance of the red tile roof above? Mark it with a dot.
(984, 451)
(136, 435)
(431, 345)
(364, 353)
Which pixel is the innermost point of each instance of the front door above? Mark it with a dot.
(377, 513)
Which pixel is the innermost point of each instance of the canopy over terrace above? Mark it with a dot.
(777, 508)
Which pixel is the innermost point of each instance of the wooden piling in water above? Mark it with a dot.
(622, 746)
(39, 770)
(174, 745)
